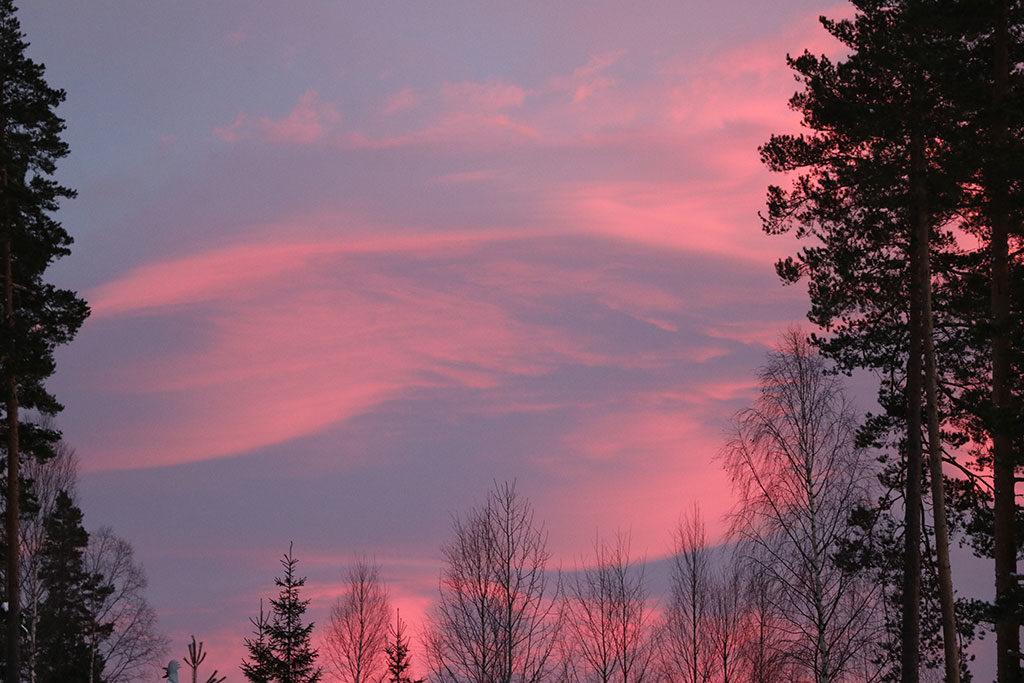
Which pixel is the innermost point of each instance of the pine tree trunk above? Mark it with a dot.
(910, 635)
(1003, 460)
(13, 508)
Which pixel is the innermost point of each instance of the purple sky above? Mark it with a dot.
(351, 262)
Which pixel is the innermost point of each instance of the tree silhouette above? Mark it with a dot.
(397, 650)
(497, 618)
(686, 641)
(797, 474)
(358, 628)
(260, 667)
(48, 478)
(134, 647)
(36, 316)
(67, 623)
(195, 657)
(282, 652)
(889, 180)
(608, 618)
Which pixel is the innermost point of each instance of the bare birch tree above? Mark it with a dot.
(728, 627)
(357, 633)
(685, 643)
(765, 652)
(134, 649)
(797, 473)
(608, 618)
(498, 614)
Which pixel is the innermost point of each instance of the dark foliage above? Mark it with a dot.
(281, 651)
(67, 624)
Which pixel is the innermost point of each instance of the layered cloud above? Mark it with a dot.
(409, 264)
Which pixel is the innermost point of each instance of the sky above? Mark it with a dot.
(350, 263)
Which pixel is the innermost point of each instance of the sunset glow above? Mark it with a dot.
(350, 263)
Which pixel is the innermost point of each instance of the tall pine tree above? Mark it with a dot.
(916, 149)
(36, 316)
(879, 190)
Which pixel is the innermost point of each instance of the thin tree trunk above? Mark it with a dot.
(922, 274)
(950, 639)
(1003, 460)
(911, 616)
(693, 622)
(13, 507)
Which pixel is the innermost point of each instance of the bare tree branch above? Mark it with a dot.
(497, 618)
(357, 632)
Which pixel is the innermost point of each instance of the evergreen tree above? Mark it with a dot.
(898, 165)
(281, 652)
(259, 668)
(67, 624)
(36, 316)
(398, 654)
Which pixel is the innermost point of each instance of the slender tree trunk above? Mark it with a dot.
(923, 276)
(1003, 460)
(13, 507)
(911, 617)
(950, 639)
(693, 622)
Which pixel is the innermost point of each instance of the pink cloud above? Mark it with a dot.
(298, 337)
(590, 78)
(468, 176)
(404, 99)
(310, 120)
(293, 336)
(712, 217)
(749, 83)
(467, 114)
(655, 454)
(230, 271)
(726, 389)
(763, 332)
(489, 96)
(684, 103)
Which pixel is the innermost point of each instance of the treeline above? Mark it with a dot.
(779, 599)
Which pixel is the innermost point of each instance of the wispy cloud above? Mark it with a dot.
(309, 121)
(404, 99)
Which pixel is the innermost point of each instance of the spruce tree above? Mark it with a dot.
(259, 667)
(287, 655)
(67, 623)
(398, 654)
(36, 316)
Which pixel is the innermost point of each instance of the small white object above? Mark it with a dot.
(171, 671)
